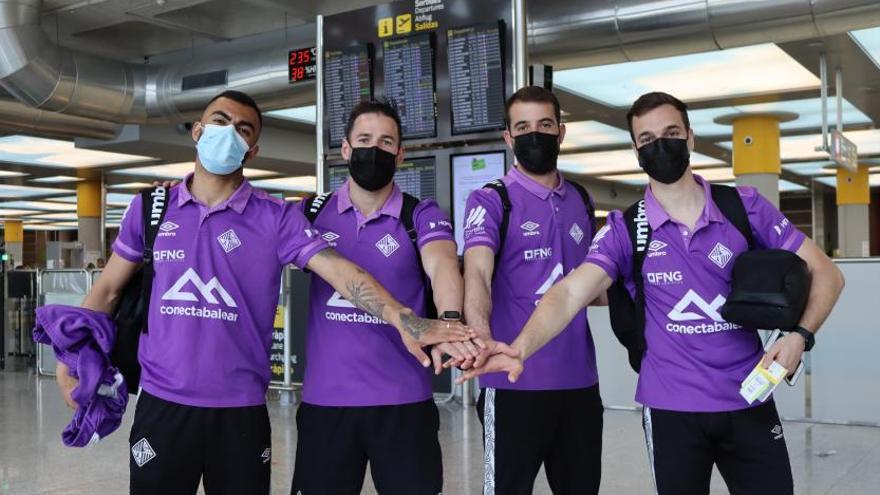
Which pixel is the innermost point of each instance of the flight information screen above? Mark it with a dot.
(348, 80)
(410, 83)
(476, 77)
(416, 176)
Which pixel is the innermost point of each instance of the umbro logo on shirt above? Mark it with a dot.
(656, 248)
(576, 233)
(387, 245)
(142, 452)
(776, 431)
(530, 228)
(167, 229)
(266, 456)
(720, 255)
(330, 237)
(228, 240)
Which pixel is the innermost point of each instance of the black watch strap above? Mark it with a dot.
(451, 316)
(809, 337)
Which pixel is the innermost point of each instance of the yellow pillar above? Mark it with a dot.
(853, 188)
(756, 158)
(90, 210)
(89, 195)
(13, 231)
(13, 236)
(756, 145)
(853, 198)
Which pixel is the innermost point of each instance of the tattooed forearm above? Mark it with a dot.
(363, 295)
(414, 325)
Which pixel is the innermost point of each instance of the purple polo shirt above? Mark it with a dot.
(218, 273)
(695, 361)
(353, 358)
(548, 235)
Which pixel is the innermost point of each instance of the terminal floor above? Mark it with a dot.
(840, 460)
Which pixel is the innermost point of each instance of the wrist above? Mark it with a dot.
(806, 335)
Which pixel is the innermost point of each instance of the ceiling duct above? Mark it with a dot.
(46, 76)
(569, 34)
(16, 117)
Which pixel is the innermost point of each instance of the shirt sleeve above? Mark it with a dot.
(611, 250)
(298, 241)
(129, 243)
(431, 223)
(770, 227)
(482, 219)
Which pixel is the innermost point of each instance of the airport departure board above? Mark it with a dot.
(416, 176)
(410, 83)
(476, 77)
(348, 80)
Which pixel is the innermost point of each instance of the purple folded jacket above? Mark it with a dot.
(82, 339)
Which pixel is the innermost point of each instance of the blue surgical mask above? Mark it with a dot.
(221, 149)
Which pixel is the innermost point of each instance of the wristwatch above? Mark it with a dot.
(809, 337)
(450, 316)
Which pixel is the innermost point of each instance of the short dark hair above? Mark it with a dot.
(239, 97)
(374, 106)
(532, 94)
(650, 101)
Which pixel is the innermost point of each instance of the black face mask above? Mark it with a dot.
(665, 159)
(537, 152)
(372, 168)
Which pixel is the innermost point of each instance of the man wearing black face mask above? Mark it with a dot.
(365, 399)
(522, 234)
(690, 374)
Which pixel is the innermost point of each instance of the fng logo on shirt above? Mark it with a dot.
(169, 255)
(206, 291)
(538, 254)
(664, 278)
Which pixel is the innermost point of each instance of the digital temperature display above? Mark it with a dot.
(302, 64)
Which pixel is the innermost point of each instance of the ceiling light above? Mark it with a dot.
(793, 148)
(13, 191)
(56, 179)
(305, 115)
(588, 133)
(305, 183)
(615, 161)
(698, 76)
(9, 173)
(180, 170)
(809, 113)
(869, 41)
(38, 205)
(55, 153)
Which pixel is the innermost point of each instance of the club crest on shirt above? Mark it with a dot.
(228, 240)
(387, 245)
(576, 233)
(720, 255)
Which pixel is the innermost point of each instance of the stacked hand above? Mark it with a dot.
(496, 357)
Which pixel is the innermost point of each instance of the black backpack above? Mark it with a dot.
(131, 311)
(769, 290)
(628, 315)
(499, 187)
(315, 204)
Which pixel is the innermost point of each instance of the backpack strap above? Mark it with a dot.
(499, 187)
(730, 203)
(591, 209)
(154, 206)
(314, 205)
(636, 220)
(407, 210)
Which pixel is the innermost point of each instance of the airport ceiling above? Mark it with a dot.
(38, 175)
